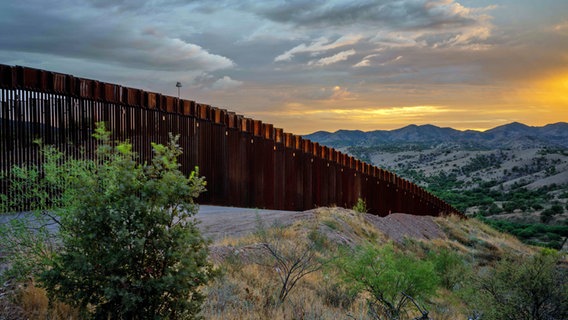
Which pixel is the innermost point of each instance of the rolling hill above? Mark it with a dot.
(514, 172)
(513, 135)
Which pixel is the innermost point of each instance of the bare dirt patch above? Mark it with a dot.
(217, 223)
(223, 222)
(398, 226)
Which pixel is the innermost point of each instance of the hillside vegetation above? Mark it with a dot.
(515, 174)
(365, 267)
(338, 263)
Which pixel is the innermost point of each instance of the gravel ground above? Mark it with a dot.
(214, 221)
(218, 222)
(398, 226)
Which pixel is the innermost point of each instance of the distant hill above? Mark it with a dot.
(515, 172)
(514, 135)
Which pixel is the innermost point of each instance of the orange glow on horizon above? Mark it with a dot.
(552, 92)
(536, 102)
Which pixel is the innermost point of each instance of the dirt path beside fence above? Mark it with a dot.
(219, 222)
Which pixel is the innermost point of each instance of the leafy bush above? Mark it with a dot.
(525, 288)
(449, 266)
(28, 237)
(494, 209)
(546, 215)
(389, 277)
(557, 209)
(360, 206)
(130, 247)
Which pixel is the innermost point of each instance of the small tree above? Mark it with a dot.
(532, 288)
(449, 266)
(29, 238)
(390, 277)
(291, 259)
(547, 214)
(130, 245)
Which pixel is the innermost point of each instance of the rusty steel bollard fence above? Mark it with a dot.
(246, 162)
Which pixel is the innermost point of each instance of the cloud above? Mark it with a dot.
(561, 26)
(374, 59)
(226, 83)
(374, 26)
(366, 61)
(315, 53)
(341, 56)
(318, 46)
(137, 6)
(340, 93)
(335, 93)
(101, 35)
(405, 14)
(207, 82)
(362, 63)
(365, 114)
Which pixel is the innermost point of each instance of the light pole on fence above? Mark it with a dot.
(178, 85)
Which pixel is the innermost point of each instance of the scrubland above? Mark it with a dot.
(455, 259)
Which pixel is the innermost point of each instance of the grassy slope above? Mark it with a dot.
(525, 188)
(248, 285)
(247, 288)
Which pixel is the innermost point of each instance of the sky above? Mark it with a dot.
(314, 65)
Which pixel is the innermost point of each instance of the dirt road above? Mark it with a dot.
(218, 222)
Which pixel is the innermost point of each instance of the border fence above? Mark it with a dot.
(246, 163)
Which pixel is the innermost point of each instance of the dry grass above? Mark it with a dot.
(34, 304)
(446, 306)
(248, 287)
(474, 238)
(251, 293)
(347, 227)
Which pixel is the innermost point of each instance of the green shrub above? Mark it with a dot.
(360, 206)
(557, 209)
(449, 266)
(529, 288)
(546, 215)
(130, 247)
(526, 233)
(389, 277)
(510, 206)
(553, 236)
(494, 209)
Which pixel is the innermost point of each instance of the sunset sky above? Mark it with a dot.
(314, 65)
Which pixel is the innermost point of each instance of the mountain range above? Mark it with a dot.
(510, 136)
